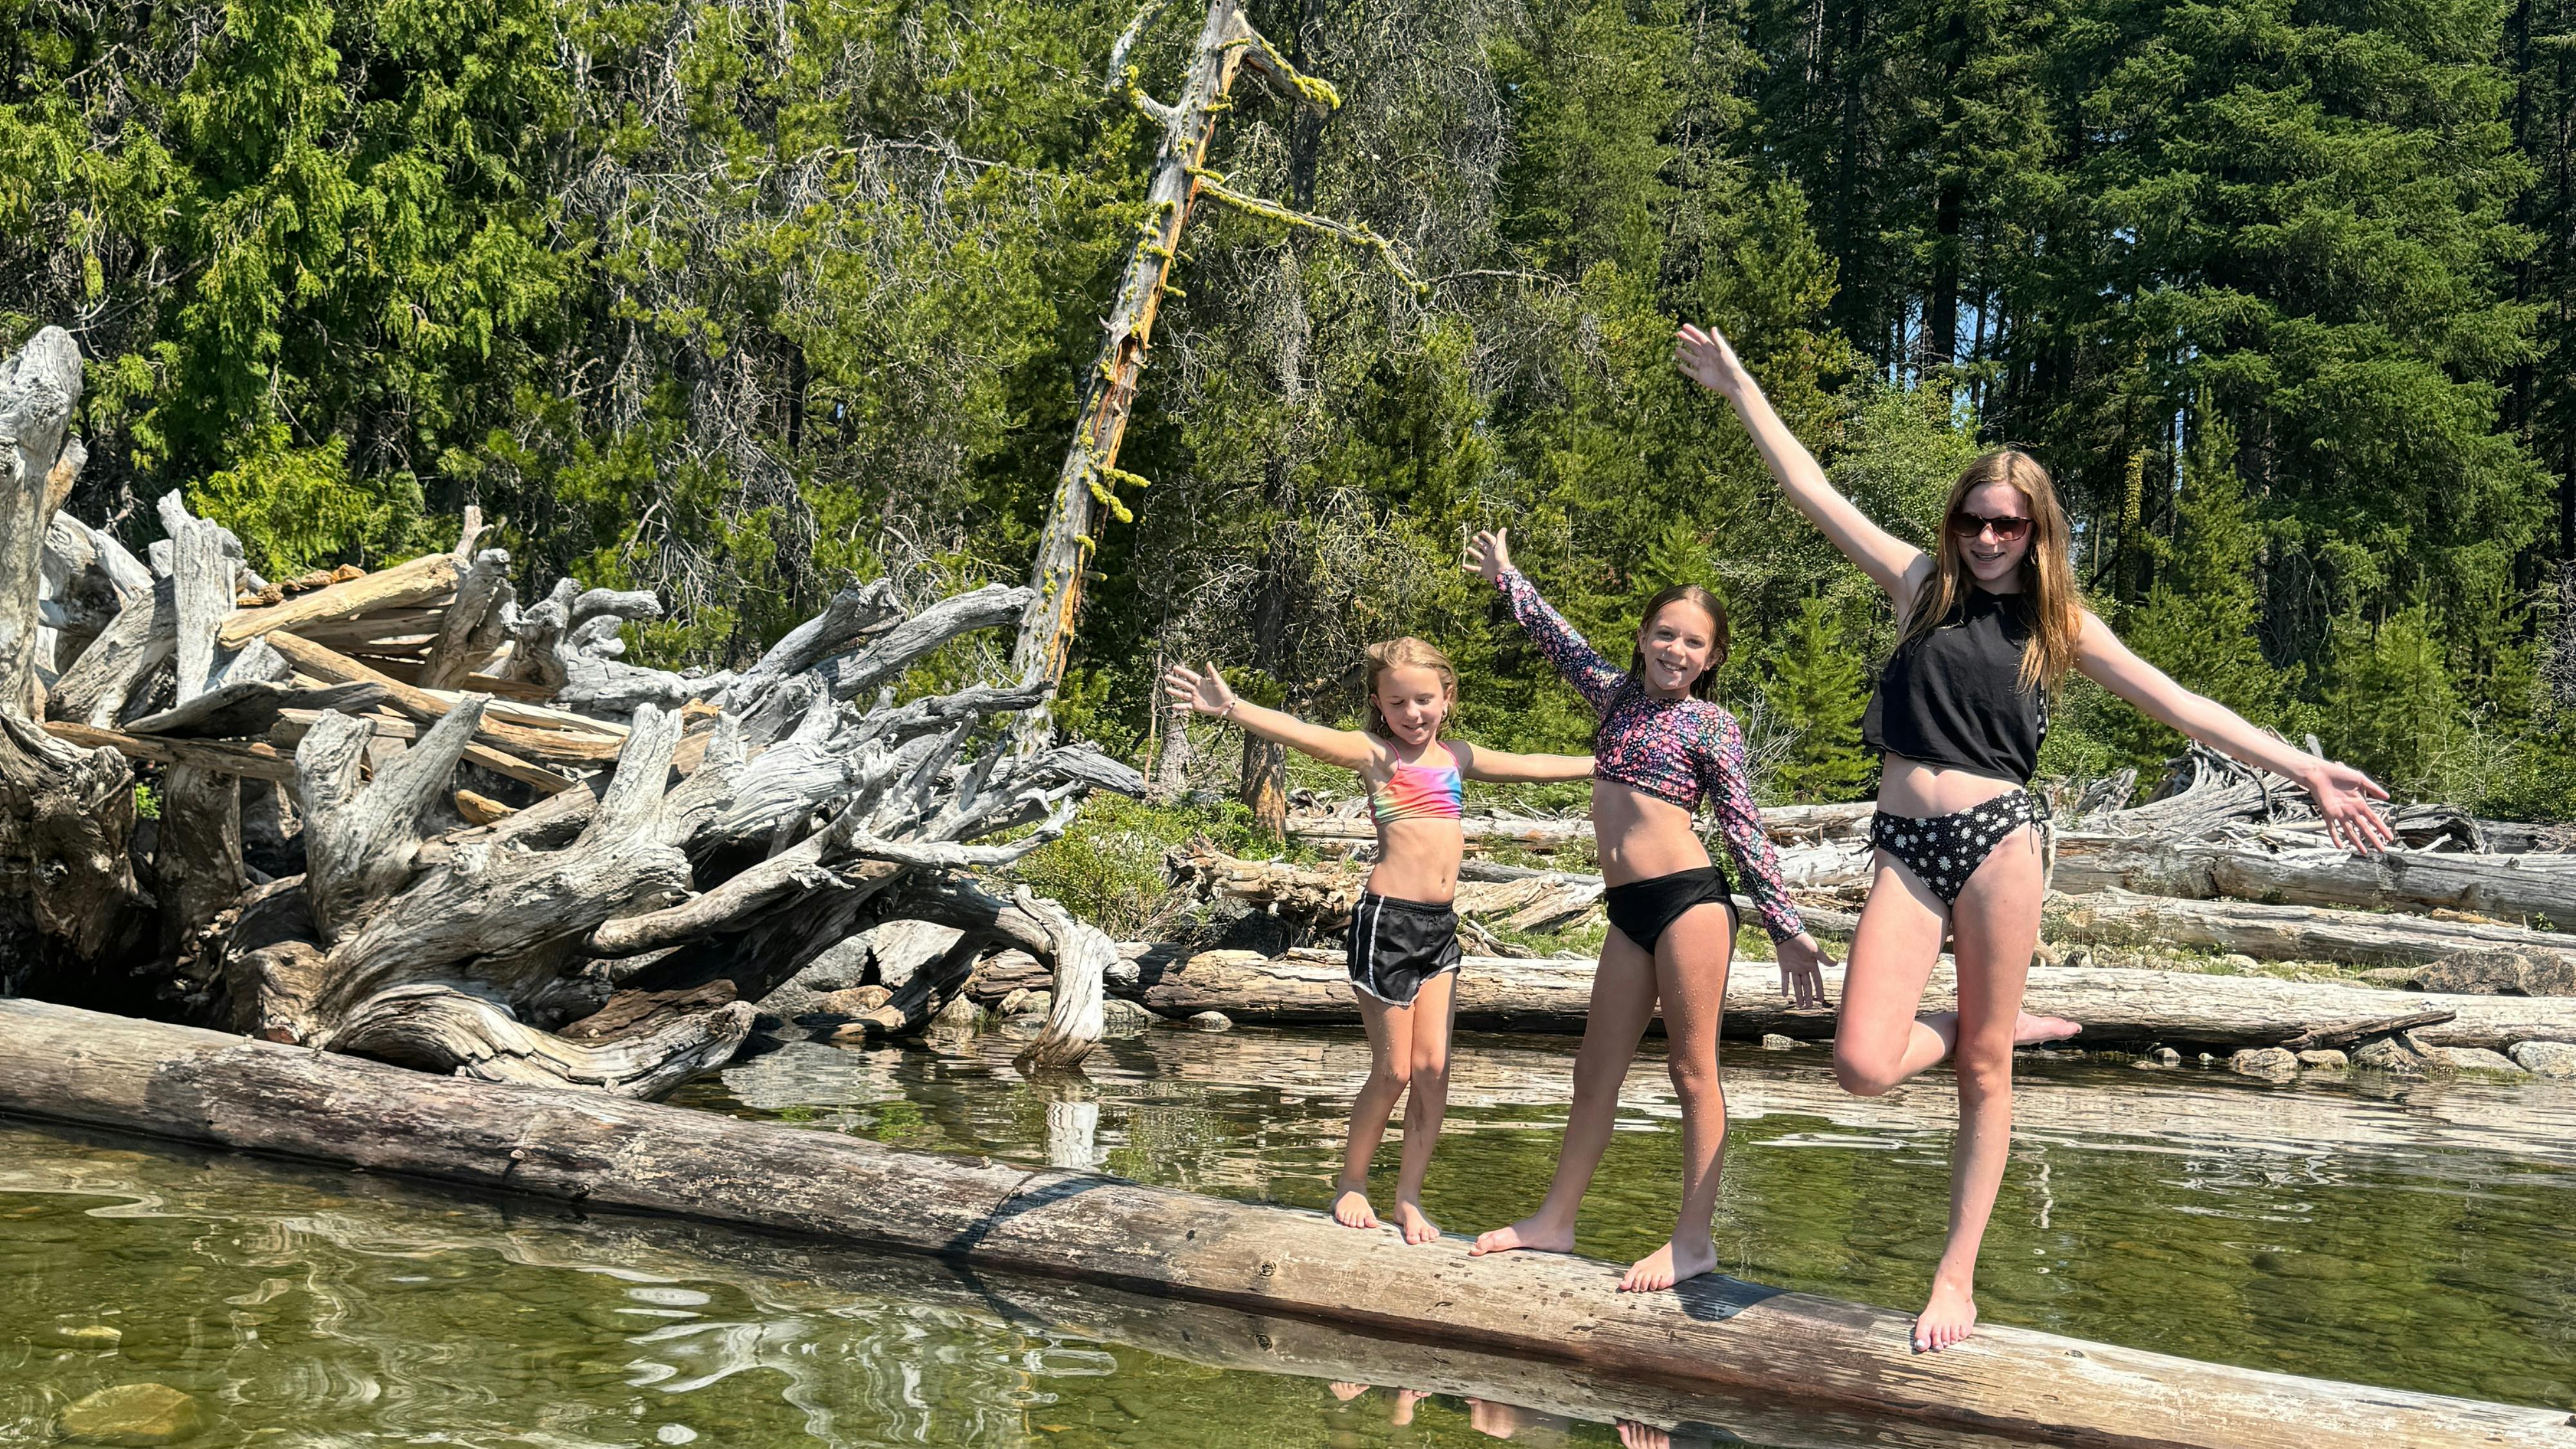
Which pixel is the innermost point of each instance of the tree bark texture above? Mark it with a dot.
(197, 1086)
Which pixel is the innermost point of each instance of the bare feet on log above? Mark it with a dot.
(1528, 1233)
(1351, 1208)
(1667, 1266)
(1633, 1435)
(1947, 1319)
(1417, 1225)
(2029, 1030)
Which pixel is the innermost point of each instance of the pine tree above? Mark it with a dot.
(1818, 691)
(2199, 622)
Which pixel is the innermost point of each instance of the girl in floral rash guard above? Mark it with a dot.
(1662, 749)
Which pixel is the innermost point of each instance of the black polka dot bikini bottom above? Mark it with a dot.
(1947, 849)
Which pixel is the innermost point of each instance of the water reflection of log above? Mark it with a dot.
(2118, 1006)
(815, 1307)
(610, 1154)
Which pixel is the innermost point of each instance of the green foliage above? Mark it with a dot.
(743, 305)
(1818, 690)
(1108, 869)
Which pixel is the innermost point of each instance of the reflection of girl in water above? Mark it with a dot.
(1404, 933)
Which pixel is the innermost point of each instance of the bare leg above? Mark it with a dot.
(1997, 930)
(1690, 976)
(1623, 1001)
(1434, 1009)
(1389, 1069)
(1877, 1040)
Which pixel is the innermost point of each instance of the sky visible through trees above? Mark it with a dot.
(738, 302)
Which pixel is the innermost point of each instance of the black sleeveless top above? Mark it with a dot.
(1953, 697)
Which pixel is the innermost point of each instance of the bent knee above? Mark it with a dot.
(1864, 1074)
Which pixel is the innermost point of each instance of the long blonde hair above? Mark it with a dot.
(2047, 577)
(1407, 653)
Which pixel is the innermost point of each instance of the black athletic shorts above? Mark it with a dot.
(1396, 945)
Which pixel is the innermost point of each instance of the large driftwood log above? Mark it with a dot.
(714, 832)
(197, 1086)
(2118, 1006)
(2284, 933)
(2508, 886)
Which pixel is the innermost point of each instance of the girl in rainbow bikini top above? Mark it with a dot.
(1404, 954)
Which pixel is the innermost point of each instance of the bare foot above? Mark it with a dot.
(1634, 1435)
(1665, 1267)
(1418, 1228)
(1948, 1319)
(2029, 1030)
(1405, 1399)
(1351, 1209)
(1348, 1392)
(1528, 1233)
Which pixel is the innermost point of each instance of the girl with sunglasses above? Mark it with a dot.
(1663, 749)
(1992, 623)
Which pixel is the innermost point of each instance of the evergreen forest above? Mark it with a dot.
(742, 301)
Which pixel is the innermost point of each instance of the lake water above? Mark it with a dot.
(2416, 1239)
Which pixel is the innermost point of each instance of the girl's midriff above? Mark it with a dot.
(1640, 836)
(1417, 860)
(1919, 791)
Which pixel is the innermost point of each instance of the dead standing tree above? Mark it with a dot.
(1227, 44)
(515, 856)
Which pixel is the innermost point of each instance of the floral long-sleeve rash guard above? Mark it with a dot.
(1679, 749)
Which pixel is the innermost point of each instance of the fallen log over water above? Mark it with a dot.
(198, 1086)
(2118, 1006)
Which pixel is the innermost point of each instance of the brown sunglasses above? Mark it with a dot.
(2007, 530)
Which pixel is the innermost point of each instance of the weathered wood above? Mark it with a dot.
(2344, 1034)
(255, 761)
(2509, 886)
(2283, 933)
(1348, 823)
(546, 746)
(424, 579)
(197, 1086)
(472, 625)
(243, 707)
(139, 640)
(40, 384)
(2118, 1006)
(1227, 41)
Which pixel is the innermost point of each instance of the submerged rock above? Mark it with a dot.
(2324, 1059)
(133, 1414)
(2165, 1057)
(2400, 1055)
(1212, 1021)
(1121, 1017)
(1773, 1041)
(2273, 1062)
(2546, 1058)
(2479, 1059)
(90, 1335)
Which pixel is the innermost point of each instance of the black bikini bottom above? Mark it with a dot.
(1644, 909)
(1944, 850)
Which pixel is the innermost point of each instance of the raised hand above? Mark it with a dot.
(1704, 358)
(1802, 970)
(2343, 795)
(1489, 554)
(1207, 693)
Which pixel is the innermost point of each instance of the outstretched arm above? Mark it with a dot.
(1489, 556)
(1498, 767)
(1209, 694)
(2343, 794)
(1891, 562)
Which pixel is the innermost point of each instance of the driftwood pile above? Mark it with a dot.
(402, 814)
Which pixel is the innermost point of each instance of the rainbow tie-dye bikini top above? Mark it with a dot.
(1420, 792)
